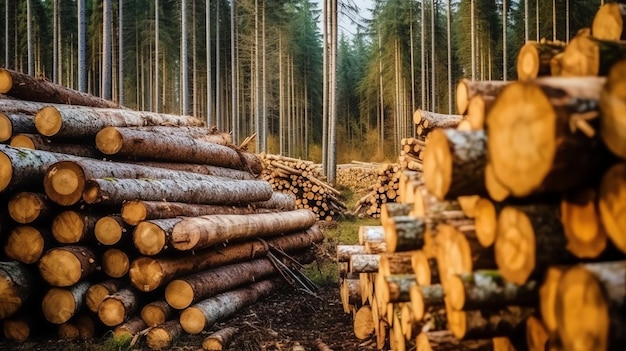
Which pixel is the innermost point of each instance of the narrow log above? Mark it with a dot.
(17, 328)
(71, 227)
(129, 329)
(372, 232)
(536, 335)
(496, 190)
(61, 304)
(28, 207)
(404, 233)
(477, 111)
(344, 252)
(585, 235)
(220, 339)
(425, 268)
(198, 168)
(80, 326)
(432, 120)
(26, 87)
(612, 101)
(156, 312)
(364, 263)
(608, 22)
(119, 307)
(210, 192)
(204, 314)
(111, 230)
(589, 307)
(15, 123)
(558, 155)
(73, 122)
(466, 89)
(454, 163)
(162, 336)
(470, 291)
(589, 56)
(479, 324)
(363, 323)
(38, 142)
(151, 237)
(350, 293)
(445, 341)
(149, 273)
(67, 265)
(395, 263)
(27, 244)
(611, 204)
(185, 291)
(116, 263)
(424, 299)
(529, 239)
(533, 59)
(97, 292)
(17, 284)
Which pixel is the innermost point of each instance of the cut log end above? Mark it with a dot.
(179, 294)
(134, 212)
(48, 121)
(6, 81)
(363, 323)
(60, 268)
(25, 207)
(149, 239)
(6, 171)
(192, 320)
(438, 164)
(612, 205)
(111, 312)
(515, 245)
(109, 140)
(109, 230)
(115, 263)
(608, 23)
(68, 227)
(64, 183)
(16, 329)
(58, 305)
(485, 222)
(20, 140)
(146, 274)
(528, 61)
(6, 128)
(455, 292)
(25, 244)
(581, 225)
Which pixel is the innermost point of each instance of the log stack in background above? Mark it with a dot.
(174, 231)
(385, 189)
(513, 238)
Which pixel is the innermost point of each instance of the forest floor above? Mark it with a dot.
(290, 320)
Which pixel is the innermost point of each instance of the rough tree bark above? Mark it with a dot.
(17, 283)
(14, 123)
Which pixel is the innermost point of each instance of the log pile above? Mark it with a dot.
(514, 238)
(172, 233)
(304, 180)
(358, 176)
(385, 189)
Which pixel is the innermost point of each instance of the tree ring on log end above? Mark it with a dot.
(109, 140)
(24, 207)
(111, 312)
(515, 245)
(58, 305)
(149, 239)
(6, 171)
(108, 231)
(6, 128)
(179, 294)
(612, 206)
(24, 244)
(48, 121)
(6, 81)
(134, 212)
(68, 227)
(528, 61)
(438, 164)
(192, 320)
(145, 274)
(60, 268)
(21, 140)
(64, 183)
(485, 222)
(115, 263)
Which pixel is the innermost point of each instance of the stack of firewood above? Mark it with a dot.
(516, 238)
(358, 176)
(411, 154)
(172, 233)
(305, 181)
(385, 189)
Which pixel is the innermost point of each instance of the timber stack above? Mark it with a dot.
(304, 180)
(358, 176)
(385, 189)
(173, 232)
(514, 237)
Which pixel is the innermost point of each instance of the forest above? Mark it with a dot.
(257, 66)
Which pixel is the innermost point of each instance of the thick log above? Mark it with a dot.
(67, 265)
(210, 192)
(204, 314)
(204, 169)
(15, 123)
(344, 252)
(119, 307)
(28, 207)
(613, 105)
(432, 120)
(470, 291)
(26, 87)
(589, 308)
(529, 239)
(61, 304)
(185, 291)
(193, 233)
(363, 323)
(162, 336)
(467, 89)
(199, 133)
(38, 142)
(589, 56)
(116, 263)
(608, 22)
(558, 154)
(394, 288)
(611, 204)
(364, 263)
(445, 341)
(454, 163)
(404, 233)
(425, 268)
(97, 292)
(424, 299)
(70, 227)
(586, 238)
(111, 230)
(479, 324)
(128, 329)
(533, 59)
(395, 263)
(73, 122)
(373, 233)
(17, 284)
(135, 143)
(80, 326)
(156, 312)
(220, 339)
(27, 244)
(148, 273)
(536, 335)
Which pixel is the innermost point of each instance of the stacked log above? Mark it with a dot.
(174, 223)
(304, 180)
(516, 229)
(358, 176)
(411, 154)
(385, 189)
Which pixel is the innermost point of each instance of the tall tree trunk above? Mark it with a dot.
(210, 119)
(325, 82)
(218, 111)
(120, 53)
(234, 64)
(263, 88)
(473, 37)
(433, 59)
(257, 79)
(332, 158)
(183, 60)
(107, 59)
(55, 41)
(156, 55)
(504, 39)
(194, 55)
(449, 37)
(6, 34)
(423, 105)
(29, 36)
(82, 48)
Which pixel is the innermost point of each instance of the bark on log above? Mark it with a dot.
(364, 263)
(395, 263)
(28, 207)
(156, 312)
(97, 292)
(611, 204)
(589, 56)
(138, 144)
(350, 293)
(17, 328)
(454, 163)
(110, 230)
(445, 341)
(67, 265)
(470, 291)
(363, 323)
(478, 324)
(371, 233)
(17, 284)
(590, 301)
(425, 269)
(394, 288)
(432, 120)
(119, 307)
(533, 59)
(529, 239)
(613, 105)
(375, 247)
(404, 233)
(26, 87)
(586, 238)
(116, 263)
(38, 142)
(608, 22)
(477, 110)
(557, 155)
(203, 169)
(162, 336)
(128, 329)
(220, 339)
(70, 227)
(27, 244)
(61, 304)
(193, 233)
(15, 123)
(424, 299)
(467, 89)
(194, 132)
(204, 314)
(185, 291)
(148, 273)
(344, 252)
(210, 192)
(73, 122)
